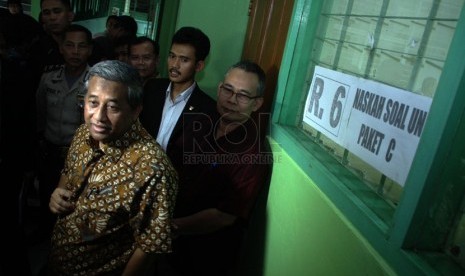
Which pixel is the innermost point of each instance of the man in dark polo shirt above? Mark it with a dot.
(223, 175)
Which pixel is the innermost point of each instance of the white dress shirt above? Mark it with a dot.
(171, 112)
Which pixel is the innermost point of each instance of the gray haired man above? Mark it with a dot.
(116, 194)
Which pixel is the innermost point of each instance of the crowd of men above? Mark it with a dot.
(139, 174)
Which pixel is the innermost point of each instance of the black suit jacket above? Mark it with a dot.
(196, 120)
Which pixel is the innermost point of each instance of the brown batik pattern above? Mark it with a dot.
(124, 195)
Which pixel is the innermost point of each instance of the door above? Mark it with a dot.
(264, 44)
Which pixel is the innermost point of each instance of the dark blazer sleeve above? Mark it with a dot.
(154, 100)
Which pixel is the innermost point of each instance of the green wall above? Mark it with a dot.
(305, 234)
(169, 14)
(35, 9)
(225, 23)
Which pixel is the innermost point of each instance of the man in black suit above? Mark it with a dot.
(176, 111)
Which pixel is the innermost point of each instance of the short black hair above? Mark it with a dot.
(110, 17)
(78, 28)
(143, 39)
(128, 23)
(194, 37)
(252, 67)
(14, 2)
(66, 3)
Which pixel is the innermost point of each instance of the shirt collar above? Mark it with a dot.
(115, 149)
(184, 96)
(60, 74)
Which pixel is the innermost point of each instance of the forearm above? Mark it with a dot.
(203, 222)
(62, 182)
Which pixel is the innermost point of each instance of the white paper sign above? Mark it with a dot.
(380, 124)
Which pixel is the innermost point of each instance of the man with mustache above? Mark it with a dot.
(116, 194)
(173, 105)
(144, 55)
(59, 111)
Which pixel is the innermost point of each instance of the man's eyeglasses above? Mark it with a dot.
(241, 97)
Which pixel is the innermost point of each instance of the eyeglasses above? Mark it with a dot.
(240, 97)
(145, 59)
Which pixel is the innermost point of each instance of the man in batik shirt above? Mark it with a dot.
(116, 194)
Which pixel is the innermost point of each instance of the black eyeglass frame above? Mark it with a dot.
(231, 92)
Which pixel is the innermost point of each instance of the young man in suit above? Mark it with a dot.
(173, 105)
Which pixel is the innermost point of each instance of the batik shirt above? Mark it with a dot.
(124, 196)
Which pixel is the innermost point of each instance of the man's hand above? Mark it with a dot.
(59, 202)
